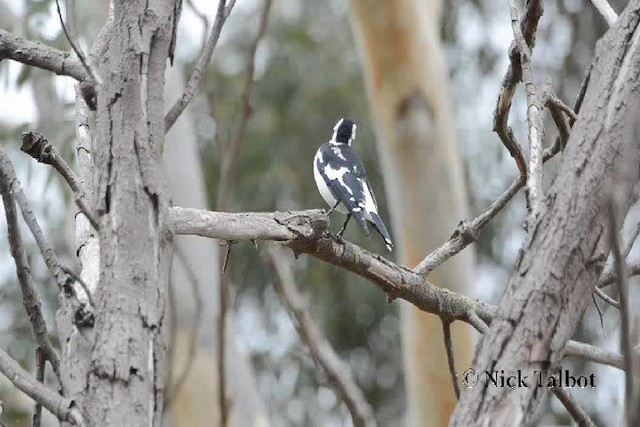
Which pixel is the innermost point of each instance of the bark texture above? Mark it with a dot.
(406, 80)
(568, 242)
(125, 379)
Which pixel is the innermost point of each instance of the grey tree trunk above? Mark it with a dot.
(567, 244)
(124, 383)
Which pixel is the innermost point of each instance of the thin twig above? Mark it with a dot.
(573, 407)
(96, 78)
(38, 147)
(606, 298)
(607, 12)
(474, 320)
(632, 239)
(534, 180)
(559, 112)
(192, 350)
(196, 75)
(319, 347)
(231, 154)
(448, 344)
(63, 408)
(224, 400)
(30, 296)
(40, 365)
(609, 276)
(600, 314)
(625, 337)
(75, 276)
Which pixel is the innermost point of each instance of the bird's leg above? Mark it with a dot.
(344, 226)
(332, 209)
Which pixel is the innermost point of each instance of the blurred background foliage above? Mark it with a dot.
(308, 75)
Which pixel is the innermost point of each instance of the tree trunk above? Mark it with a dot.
(406, 80)
(125, 380)
(568, 243)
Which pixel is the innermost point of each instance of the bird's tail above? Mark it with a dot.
(379, 225)
(362, 222)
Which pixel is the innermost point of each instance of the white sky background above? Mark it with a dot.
(474, 115)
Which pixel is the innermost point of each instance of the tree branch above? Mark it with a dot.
(448, 344)
(573, 407)
(196, 76)
(307, 232)
(77, 49)
(63, 408)
(625, 333)
(512, 77)
(231, 154)
(8, 174)
(40, 56)
(607, 12)
(534, 178)
(38, 147)
(30, 297)
(320, 348)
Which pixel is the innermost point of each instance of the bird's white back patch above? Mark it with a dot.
(338, 153)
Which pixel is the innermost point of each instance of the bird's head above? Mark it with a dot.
(344, 132)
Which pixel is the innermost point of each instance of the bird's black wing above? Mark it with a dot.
(341, 171)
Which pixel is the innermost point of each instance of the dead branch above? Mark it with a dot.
(77, 49)
(231, 154)
(38, 147)
(40, 365)
(40, 56)
(607, 12)
(307, 232)
(534, 179)
(30, 296)
(573, 407)
(50, 258)
(448, 344)
(512, 77)
(63, 408)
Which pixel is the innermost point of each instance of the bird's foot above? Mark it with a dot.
(338, 237)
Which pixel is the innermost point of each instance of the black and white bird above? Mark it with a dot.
(342, 181)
